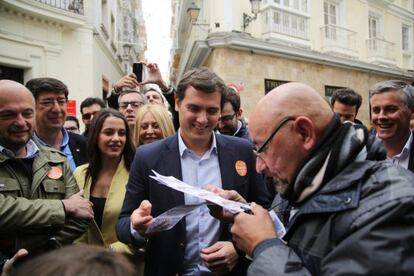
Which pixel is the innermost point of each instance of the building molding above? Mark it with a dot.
(46, 12)
(241, 41)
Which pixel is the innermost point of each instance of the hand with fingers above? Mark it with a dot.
(8, 265)
(141, 218)
(77, 206)
(126, 81)
(217, 211)
(154, 76)
(220, 258)
(245, 232)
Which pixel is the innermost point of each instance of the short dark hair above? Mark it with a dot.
(95, 158)
(233, 98)
(347, 96)
(38, 85)
(77, 260)
(91, 101)
(74, 119)
(131, 91)
(201, 79)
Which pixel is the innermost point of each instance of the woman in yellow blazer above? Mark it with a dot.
(104, 178)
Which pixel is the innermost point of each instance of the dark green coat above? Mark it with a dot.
(31, 211)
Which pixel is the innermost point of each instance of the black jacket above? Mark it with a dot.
(77, 145)
(359, 223)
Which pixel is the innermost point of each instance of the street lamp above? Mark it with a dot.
(255, 10)
(193, 11)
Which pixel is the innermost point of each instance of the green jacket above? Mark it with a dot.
(31, 211)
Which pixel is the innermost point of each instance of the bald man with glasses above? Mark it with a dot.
(344, 213)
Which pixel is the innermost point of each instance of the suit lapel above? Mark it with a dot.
(171, 166)
(227, 161)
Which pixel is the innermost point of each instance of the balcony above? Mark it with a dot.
(66, 12)
(380, 51)
(285, 26)
(75, 6)
(339, 41)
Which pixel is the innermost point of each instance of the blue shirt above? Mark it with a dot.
(31, 150)
(64, 147)
(202, 230)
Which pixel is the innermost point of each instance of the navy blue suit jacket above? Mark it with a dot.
(165, 251)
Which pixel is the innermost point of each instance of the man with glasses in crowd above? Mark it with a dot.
(344, 214)
(129, 102)
(89, 107)
(51, 96)
(231, 121)
(72, 124)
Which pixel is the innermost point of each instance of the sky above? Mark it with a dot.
(157, 16)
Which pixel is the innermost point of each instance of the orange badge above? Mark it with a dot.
(241, 167)
(55, 173)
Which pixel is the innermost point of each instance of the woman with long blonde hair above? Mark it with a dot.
(153, 123)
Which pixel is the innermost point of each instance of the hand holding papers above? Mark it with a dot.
(170, 218)
(172, 182)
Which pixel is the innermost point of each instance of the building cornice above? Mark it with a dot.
(390, 8)
(46, 12)
(244, 42)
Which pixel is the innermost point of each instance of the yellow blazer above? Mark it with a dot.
(115, 198)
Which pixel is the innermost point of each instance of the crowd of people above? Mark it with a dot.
(81, 204)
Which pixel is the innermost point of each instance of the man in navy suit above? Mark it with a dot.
(199, 244)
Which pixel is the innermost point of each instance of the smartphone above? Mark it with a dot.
(138, 70)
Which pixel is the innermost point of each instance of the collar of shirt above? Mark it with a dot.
(65, 140)
(184, 150)
(405, 153)
(239, 126)
(31, 150)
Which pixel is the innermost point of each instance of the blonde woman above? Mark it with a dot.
(153, 123)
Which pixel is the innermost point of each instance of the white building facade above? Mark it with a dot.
(88, 45)
(326, 43)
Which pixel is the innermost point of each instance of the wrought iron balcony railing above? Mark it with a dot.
(75, 6)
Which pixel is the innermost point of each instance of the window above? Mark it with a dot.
(405, 37)
(330, 18)
(329, 89)
(373, 32)
(270, 84)
(304, 5)
(276, 18)
(373, 27)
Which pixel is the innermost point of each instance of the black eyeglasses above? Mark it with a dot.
(227, 118)
(88, 116)
(262, 149)
(51, 102)
(134, 104)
